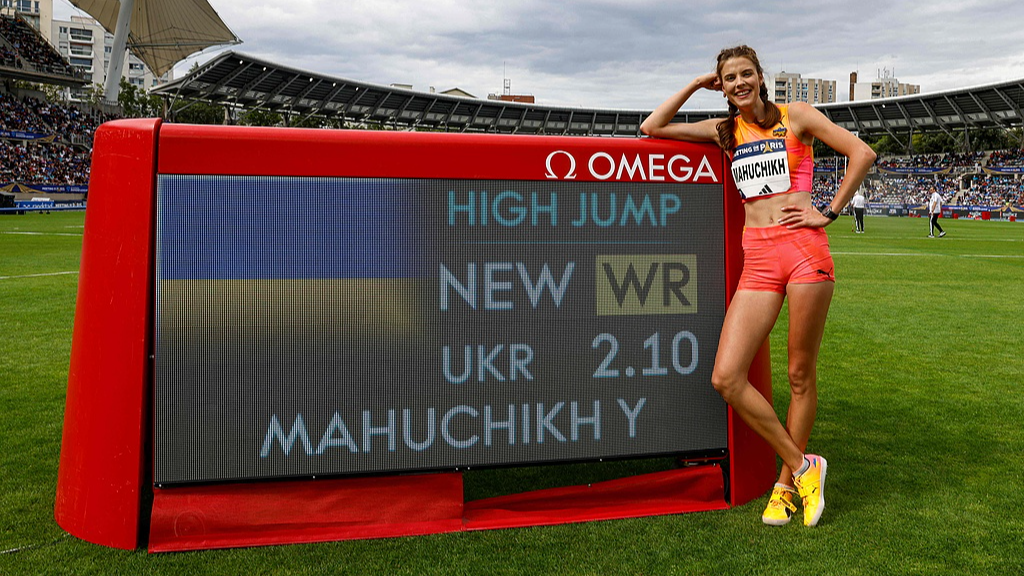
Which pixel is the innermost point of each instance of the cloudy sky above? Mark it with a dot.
(628, 54)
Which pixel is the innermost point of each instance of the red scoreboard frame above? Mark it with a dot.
(105, 491)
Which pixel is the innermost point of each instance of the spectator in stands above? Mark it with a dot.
(33, 49)
(52, 163)
(823, 189)
(8, 58)
(992, 190)
(68, 122)
(933, 161)
(910, 189)
(829, 163)
(14, 116)
(1006, 158)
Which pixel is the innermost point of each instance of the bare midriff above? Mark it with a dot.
(767, 211)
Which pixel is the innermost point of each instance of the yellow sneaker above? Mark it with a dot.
(780, 506)
(811, 486)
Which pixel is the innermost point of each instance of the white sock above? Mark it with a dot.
(807, 464)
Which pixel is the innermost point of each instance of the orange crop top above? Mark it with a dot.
(770, 161)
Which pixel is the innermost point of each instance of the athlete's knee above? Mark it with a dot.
(803, 379)
(727, 383)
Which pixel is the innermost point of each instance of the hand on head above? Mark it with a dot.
(710, 81)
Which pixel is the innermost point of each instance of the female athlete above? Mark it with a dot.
(785, 253)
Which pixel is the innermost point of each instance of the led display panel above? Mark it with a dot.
(309, 326)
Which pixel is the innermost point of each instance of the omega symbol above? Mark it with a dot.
(570, 175)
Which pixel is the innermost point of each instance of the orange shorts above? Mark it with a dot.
(775, 256)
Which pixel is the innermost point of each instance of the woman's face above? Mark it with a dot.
(740, 81)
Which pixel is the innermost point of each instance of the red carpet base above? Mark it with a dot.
(259, 514)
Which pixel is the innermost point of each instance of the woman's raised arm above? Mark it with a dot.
(659, 124)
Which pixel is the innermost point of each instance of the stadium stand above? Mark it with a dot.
(68, 122)
(237, 79)
(57, 164)
(990, 179)
(31, 50)
(965, 159)
(830, 163)
(42, 164)
(910, 189)
(243, 82)
(993, 190)
(44, 144)
(1006, 158)
(935, 161)
(824, 190)
(15, 117)
(961, 178)
(8, 59)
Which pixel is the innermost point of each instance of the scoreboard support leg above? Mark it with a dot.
(105, 445)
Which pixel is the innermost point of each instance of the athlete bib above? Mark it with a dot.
(761, 168)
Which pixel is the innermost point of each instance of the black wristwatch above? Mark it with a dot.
(830, 214)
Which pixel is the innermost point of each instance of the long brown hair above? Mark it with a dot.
(727, 127)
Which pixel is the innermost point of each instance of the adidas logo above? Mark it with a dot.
(766, 190)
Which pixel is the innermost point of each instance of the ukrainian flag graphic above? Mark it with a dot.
(274, 293)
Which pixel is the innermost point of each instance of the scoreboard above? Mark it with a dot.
(309, 304)
(340, 325)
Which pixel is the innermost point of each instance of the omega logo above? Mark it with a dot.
(646, 167)
(570, 175)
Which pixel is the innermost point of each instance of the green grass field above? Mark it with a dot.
(921, 411)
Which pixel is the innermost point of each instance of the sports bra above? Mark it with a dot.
(770, 161)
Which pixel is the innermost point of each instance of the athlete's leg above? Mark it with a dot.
(748, 322)
(808, 307)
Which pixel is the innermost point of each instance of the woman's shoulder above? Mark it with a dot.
(802, 118)
(798, 107)
(796, 110)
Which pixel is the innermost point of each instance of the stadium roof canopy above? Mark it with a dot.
(164, 32)
(236, 79)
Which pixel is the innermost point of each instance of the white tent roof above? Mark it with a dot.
(164, 32)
